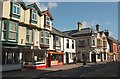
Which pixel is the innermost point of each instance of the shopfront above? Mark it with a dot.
(10, 58)
(34, 59)
(55, 58)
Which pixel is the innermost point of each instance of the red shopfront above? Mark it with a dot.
(55, 58)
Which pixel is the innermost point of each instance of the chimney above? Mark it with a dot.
(97, 27)
(106, 32)
(79, 26)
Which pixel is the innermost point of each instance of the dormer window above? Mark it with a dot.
(16, 8)
(47, 20)
(34, 15)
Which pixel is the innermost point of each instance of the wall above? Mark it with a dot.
(6, 10)
(21, 35)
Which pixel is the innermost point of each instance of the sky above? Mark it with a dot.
(67, 14)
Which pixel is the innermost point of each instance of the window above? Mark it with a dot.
(98, 56)
(93, 42)
(81, 42)
(16, 8)
(57, 57)
(72, 44)
(44, 37)
(34, 15)
(29, 36)
(67, 43)
(104, 43)
(13, 31)
(4, 28)
(47, 20)
(88, 42)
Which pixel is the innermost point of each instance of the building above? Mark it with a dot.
(69, 49)
(56, 51)
(113, 55)
(86, 43)
(25, 33)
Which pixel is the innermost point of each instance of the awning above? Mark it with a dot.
(110, 53)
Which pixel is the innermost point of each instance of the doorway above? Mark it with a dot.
(93, 57)
(67, 58)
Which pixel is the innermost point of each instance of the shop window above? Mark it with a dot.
(98, 56)
(39, 57)
(16, 58)
(3, 57)
(10, 58)
(56, 57)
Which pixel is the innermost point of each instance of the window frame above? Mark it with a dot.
(48, 20)
(67, 44)
(34, 15)
(17, 5)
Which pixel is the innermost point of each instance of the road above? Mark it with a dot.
(102, 70)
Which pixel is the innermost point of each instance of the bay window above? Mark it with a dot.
(44, 37)
(4, 27)
(12, 31)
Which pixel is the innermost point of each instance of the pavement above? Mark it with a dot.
(35, 73)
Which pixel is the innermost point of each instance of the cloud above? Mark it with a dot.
(42, 6)
(90, 24)
(52, 5)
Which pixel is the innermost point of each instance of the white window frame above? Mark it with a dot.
(34, 15)
(48, 20)
(11, 31)
(3, 30)
(17, 7)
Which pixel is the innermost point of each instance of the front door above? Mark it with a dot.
(67, 58)
(93, 57)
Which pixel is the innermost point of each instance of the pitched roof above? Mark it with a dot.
(81, 32)
(56, 32)
(47, 12)
(112, 39)
(35, 6)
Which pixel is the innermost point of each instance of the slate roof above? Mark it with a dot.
(81, 32)
(57, 32)
(112, 39)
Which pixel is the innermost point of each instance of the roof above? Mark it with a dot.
(56, 32)
(112, 39)
(67, 36)
(47, 12)
(30, 6)
(81, 32)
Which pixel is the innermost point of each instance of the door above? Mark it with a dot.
(67, 58)
(93, 57)
(49, 60)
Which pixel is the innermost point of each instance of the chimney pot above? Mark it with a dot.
(97, 27)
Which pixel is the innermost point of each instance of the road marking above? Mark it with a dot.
(82, 75)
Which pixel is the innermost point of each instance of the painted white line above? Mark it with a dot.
(82, 75)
